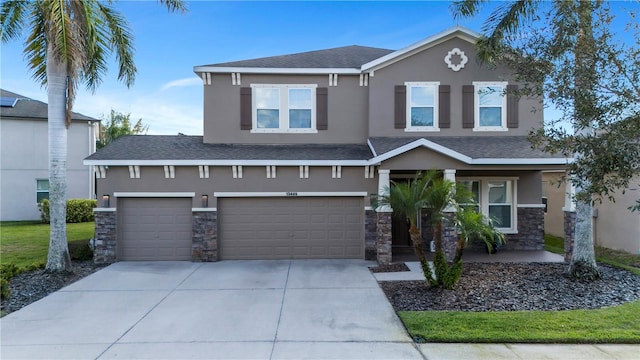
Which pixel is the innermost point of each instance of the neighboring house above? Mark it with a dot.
(614, 225)
(24, 157)
(295, 145)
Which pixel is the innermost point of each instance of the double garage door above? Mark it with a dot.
(248, 228)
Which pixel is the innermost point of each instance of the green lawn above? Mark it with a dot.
(617, 324)
(27, 242)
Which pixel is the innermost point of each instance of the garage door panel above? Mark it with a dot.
(154, 229)
(284, 228)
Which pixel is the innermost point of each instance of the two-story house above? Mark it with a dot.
(24, 156)
(295, 145)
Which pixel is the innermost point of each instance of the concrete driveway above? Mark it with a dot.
(301, 309)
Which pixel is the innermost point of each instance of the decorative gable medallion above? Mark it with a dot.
(463, 59)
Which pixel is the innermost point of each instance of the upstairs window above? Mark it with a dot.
(491, 106)
(284, 108)
(422, 109)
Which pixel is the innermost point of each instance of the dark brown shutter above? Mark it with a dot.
(322, 120)
(468, 107)
(512, 106)
(400, 116)
(444, 106)
(245, 108)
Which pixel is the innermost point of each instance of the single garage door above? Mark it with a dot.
(154, 229)
(291, 228)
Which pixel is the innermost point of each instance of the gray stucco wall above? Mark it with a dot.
(429, 65)
(220, 180)
(347, 110)
(24, 158)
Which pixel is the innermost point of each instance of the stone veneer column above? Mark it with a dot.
(204, 235)
(569, 210)
(569, 234)
(105, 236)
(449, 232)
(530, 234)
(383, 244)
(383, 221)
(449, 235)
(370, 234)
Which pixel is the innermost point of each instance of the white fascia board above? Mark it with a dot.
(421, 143)
(371, 148)
(525, 161)
(264, 70)
(104, 210)
(154, 194)
(466, 159)
(226, 162)
(461, 32)
(211, 209)
(291, 194)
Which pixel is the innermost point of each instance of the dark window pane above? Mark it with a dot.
(421, 116)
(501, 214)
(300, 119)
(268, 119)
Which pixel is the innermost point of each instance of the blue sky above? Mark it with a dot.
(167, 95)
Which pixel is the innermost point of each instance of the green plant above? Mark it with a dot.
(7, 271)
(78, 210)
(80, 250)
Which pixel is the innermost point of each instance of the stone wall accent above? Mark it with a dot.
(105, 237)
(530, 234)
(204, 236)
(449, 235)
(569, 234)
(370, 235)
(426, 229)
(383, 244)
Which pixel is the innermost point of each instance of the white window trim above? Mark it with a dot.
(42, 191)
(476, 101)
(484, 196)
(436, 125)
(284, 109)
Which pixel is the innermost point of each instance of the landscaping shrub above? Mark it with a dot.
(78, 210)
(7, 271)
(80, 250)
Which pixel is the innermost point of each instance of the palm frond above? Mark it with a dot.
(12, 17)
(465, 8)
(35, 50)
(122, 40)
(174, 5)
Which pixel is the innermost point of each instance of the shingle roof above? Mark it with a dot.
(341, 57)
(475, 147)
(181, 147)
(27, 108)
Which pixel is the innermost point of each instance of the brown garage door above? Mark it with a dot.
(291, 228)
(154, 229)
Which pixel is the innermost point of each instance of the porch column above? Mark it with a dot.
(449, 233)
(383, 244)
(569, 210)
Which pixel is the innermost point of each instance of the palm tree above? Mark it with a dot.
(68, 42)
(506, 21)
(472, 225)
(407, 199)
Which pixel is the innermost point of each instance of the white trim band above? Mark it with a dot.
(204, 209)
(154, 194)
(290, 194)
(104, 210)
(535, 206)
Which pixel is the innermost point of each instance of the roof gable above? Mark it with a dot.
(455, 32)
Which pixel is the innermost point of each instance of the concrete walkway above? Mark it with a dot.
(301, 309)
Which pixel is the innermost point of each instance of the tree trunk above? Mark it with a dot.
(416, 239)
(459, 249)
(583, 261)
(58, 258)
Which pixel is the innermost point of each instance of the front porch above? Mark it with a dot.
(502, 256)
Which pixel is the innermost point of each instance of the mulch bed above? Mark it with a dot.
(394, 267)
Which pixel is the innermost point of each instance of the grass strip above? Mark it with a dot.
(27, 242)
(613, 325)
